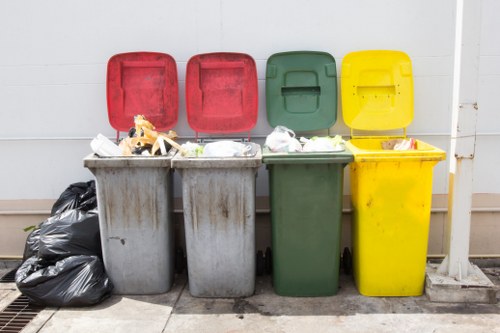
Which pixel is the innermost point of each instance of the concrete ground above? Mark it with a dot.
(177, 311)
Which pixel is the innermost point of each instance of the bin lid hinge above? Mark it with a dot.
(212, 139)
(390, 134)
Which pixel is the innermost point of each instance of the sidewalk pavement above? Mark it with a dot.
(177, 311)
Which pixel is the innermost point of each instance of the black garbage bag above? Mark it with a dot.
(73, 232)
(78, 195)
(32, 244)
(73, 281)
(81, 196)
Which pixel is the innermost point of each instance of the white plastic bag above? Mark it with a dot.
(282, 139)
(318, 144)
(225, 149)
(408, 144)
(191, 149)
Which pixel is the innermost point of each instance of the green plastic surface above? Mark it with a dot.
(301, 90)
(307, 158)
(306, 213)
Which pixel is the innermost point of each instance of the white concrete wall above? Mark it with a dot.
(54, 53)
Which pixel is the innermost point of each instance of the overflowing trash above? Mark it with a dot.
(142, 140)
(399, 144)
(283, 140)
(62, 263)
(223, 148)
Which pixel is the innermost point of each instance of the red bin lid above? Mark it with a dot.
(221, 93)
(142, 83)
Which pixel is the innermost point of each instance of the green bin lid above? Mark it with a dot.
(301, 90)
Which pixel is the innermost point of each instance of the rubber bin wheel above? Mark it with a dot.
(260, 264)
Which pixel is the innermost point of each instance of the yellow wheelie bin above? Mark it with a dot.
(391, 176)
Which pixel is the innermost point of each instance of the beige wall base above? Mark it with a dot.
(15, 215)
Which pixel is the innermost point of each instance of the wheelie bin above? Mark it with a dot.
(218, 193)
(134, 194)
(306, 189)
(391, 189)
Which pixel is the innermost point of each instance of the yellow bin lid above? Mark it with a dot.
(377, 90)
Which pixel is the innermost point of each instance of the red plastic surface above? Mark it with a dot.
(142, 83)
(221, 93)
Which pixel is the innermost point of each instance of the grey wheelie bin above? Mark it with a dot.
(219, 192)
(134, 193)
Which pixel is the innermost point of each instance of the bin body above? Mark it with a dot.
(219, 220)
(391, 189)
(306, 214)
(219, 192)
(305, 189)
(391, 201)
(134, 197)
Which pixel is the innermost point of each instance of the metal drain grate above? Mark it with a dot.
(18, 314)
(9, 277)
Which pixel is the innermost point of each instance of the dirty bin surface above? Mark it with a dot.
(134, 193)
(219, 192)
(219, 220)
(306, 188)
(134, 203)
(391, 189)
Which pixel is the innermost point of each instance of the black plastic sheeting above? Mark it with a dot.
(62, 264)
(78, 195)
(73, 232)
(72, 281)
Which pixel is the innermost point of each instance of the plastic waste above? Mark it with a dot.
(405, 145)
(282, 139)
(399, 144)
(226, 149)
(318, 144)
(73, 232)
(73, 281)
(191, 149)
(104, 147)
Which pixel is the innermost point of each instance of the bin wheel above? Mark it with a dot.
(347, 261)
(260, 265)
(269, 261)
(180, 260)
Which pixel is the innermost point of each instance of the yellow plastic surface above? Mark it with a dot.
(377, 90)
(391, 189)
(391, 197)
(369, 150)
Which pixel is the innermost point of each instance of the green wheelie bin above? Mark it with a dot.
(306, 189)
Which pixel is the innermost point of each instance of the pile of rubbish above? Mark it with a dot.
(142, 140)
(283, 140)
(62, 262)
